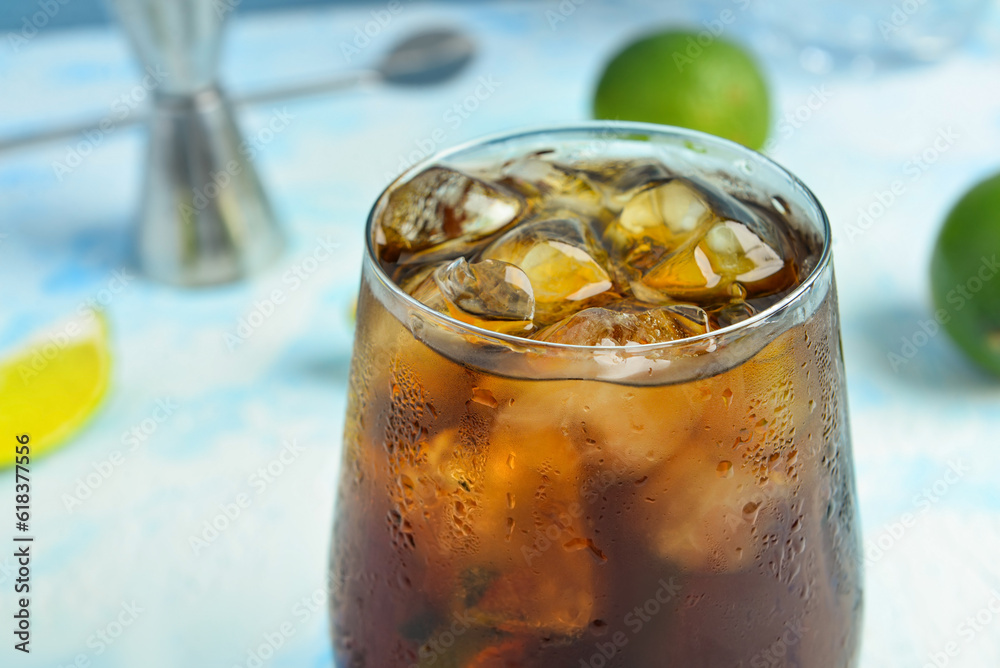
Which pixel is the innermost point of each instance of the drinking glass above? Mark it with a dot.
(511, 502)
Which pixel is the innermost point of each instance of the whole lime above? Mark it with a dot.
(965, 274)
(694, 80)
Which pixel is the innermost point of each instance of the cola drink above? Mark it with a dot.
(597, 415)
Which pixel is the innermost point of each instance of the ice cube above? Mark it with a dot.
(620, 432)
(728, 261)
(550, 186)
(667, 213)
(655, 221)
(530, 508)
(491, 294)
(441, 205)
(702, 534)
(607, 327)
(732, 313)
(621, 177)
(736, 252)
(421, 286)
(561, 259)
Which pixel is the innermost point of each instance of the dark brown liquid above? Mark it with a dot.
(486, 521)
(493, 521)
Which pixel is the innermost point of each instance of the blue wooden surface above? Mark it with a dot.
(236, 410)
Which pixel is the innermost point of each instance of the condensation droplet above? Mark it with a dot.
(724, 469)
(727, 397)
(485, 397)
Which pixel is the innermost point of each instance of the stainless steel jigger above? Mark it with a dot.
(204, 216)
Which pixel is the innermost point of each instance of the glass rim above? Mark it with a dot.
(622, 127)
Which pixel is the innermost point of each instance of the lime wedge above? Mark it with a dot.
(49, 388)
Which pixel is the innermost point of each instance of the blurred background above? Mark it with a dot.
(182, 517)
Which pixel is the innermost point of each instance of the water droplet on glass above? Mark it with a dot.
(485, 397)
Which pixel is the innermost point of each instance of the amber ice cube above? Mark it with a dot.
(550, 186)
(731, 314)
(531, 523)
(660, 217)
(607, 327)
(621, 177)
(442, 207)
(564, 263)
(491, 294)
(728, 261)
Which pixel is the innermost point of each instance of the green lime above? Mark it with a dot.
(965, 274)
(694, 80)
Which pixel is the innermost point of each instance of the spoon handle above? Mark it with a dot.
(262, 96)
